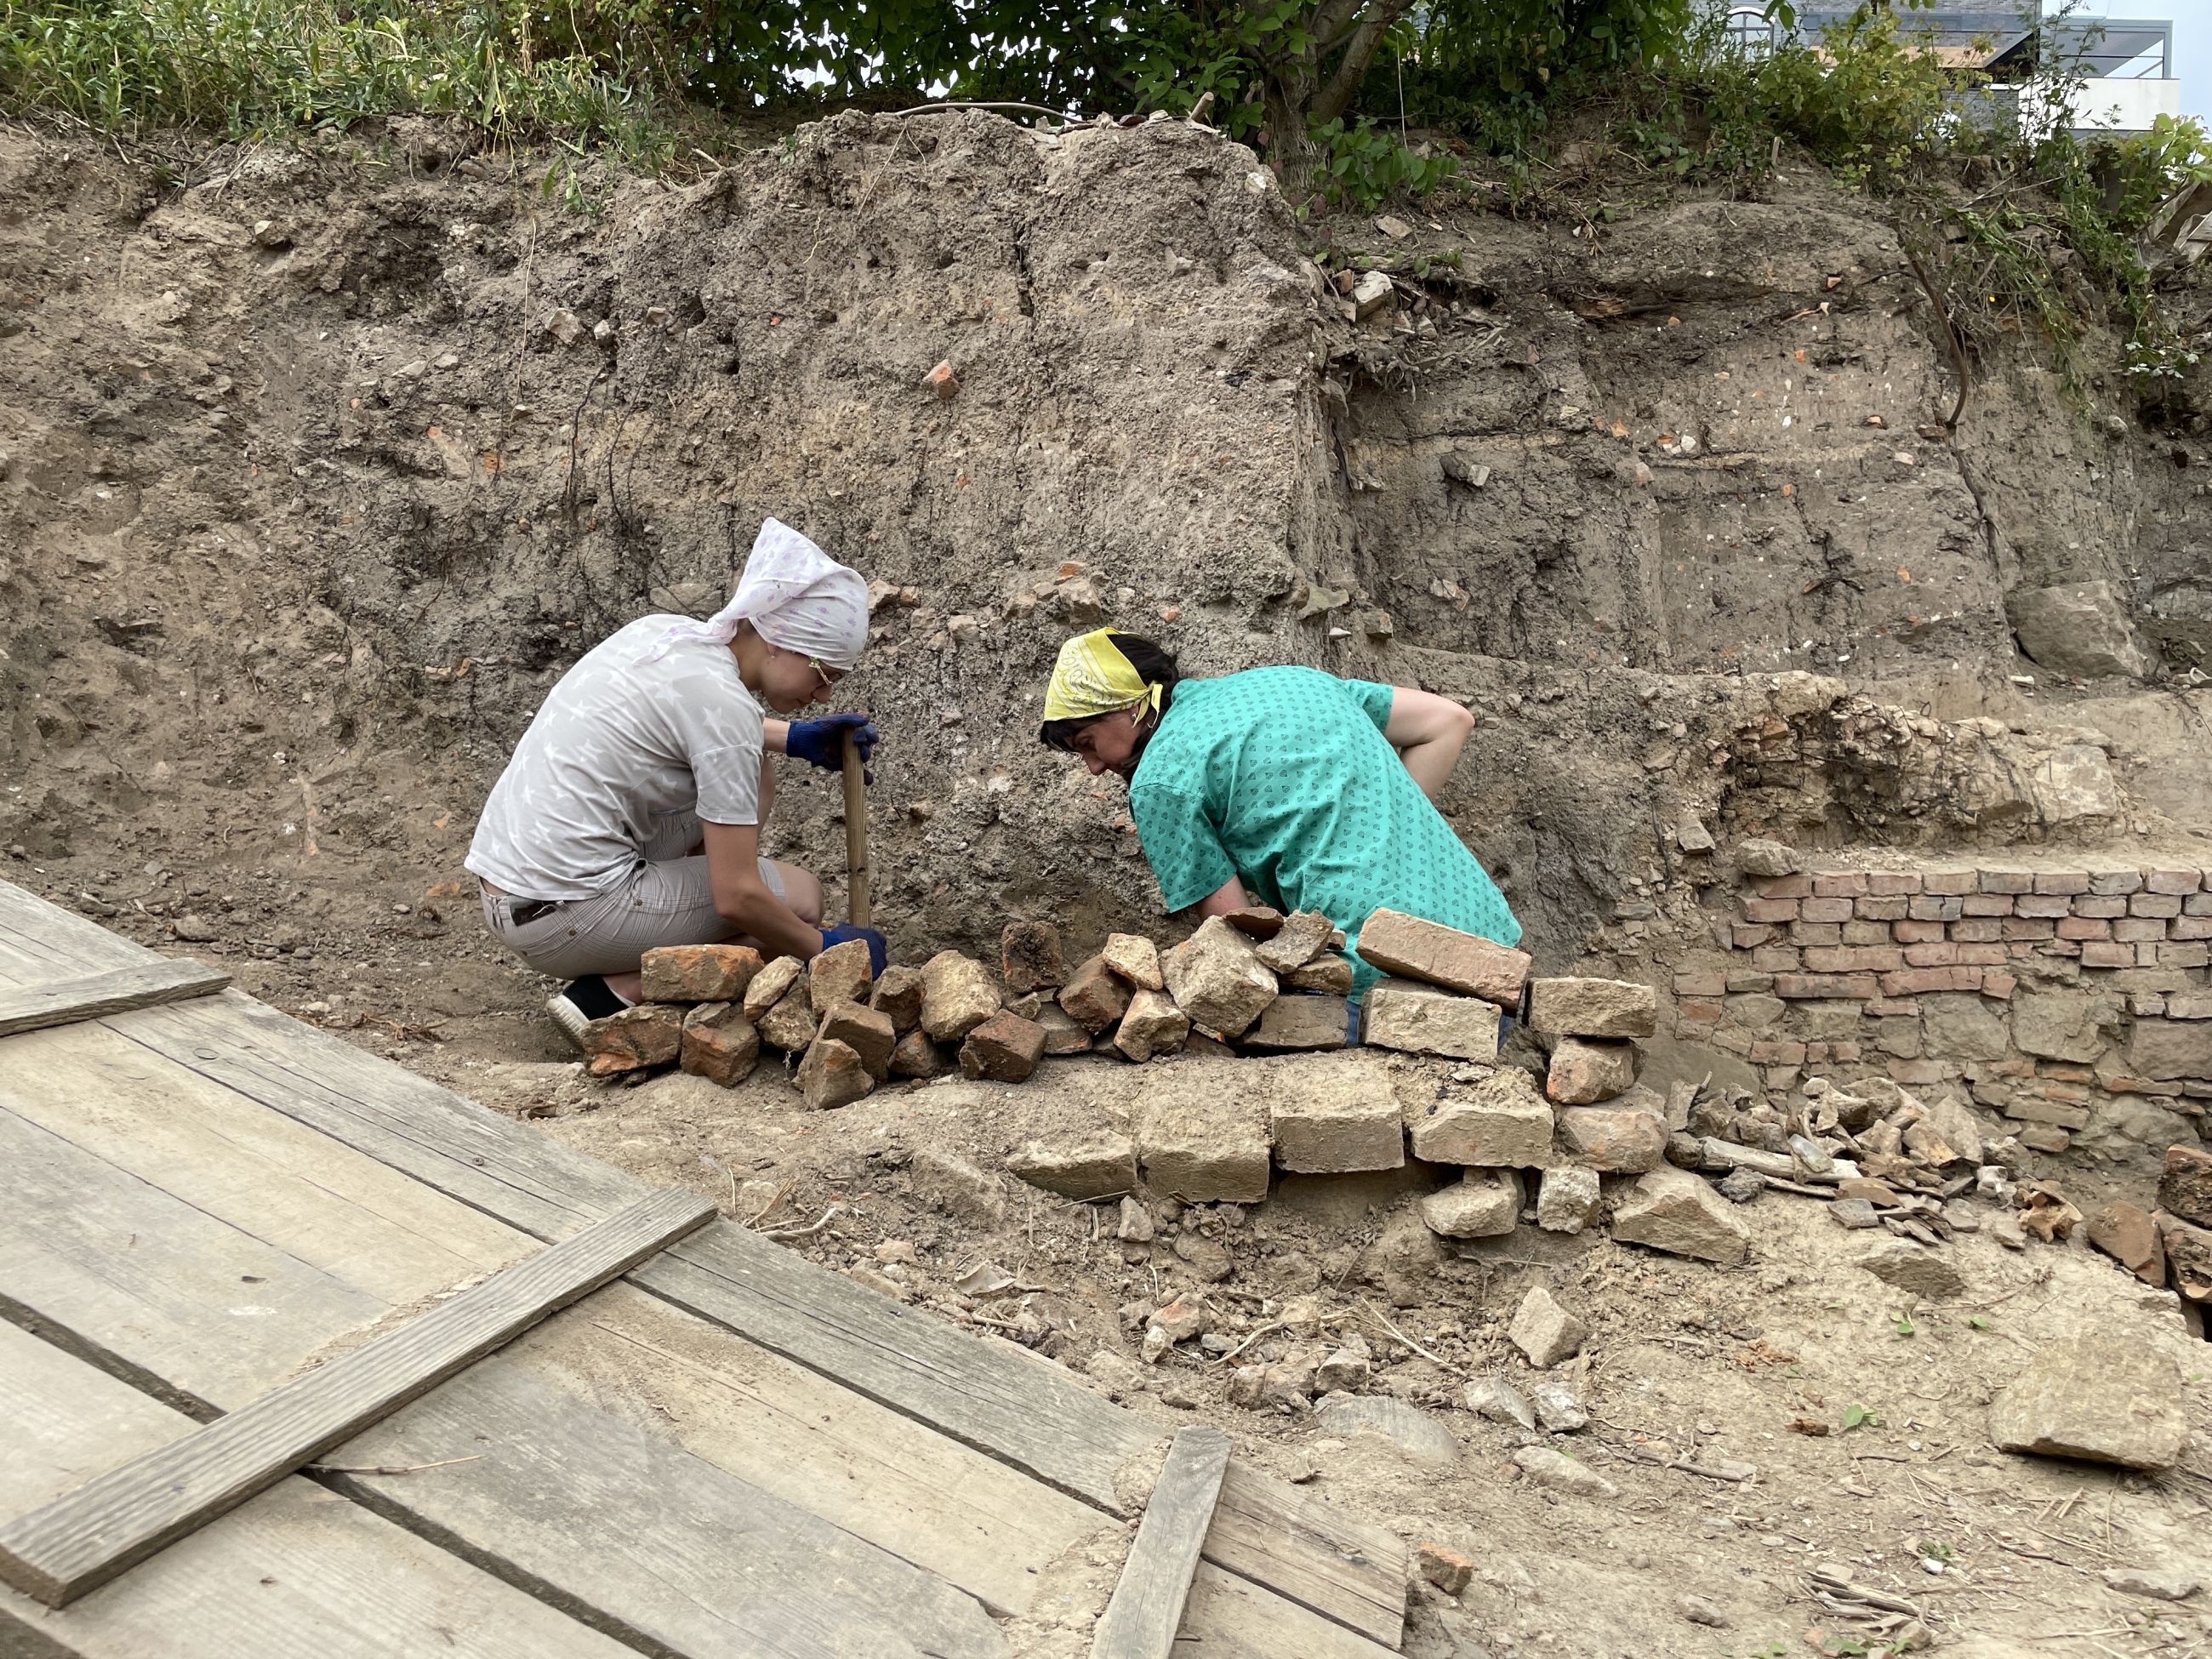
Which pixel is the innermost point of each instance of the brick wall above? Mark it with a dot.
(2069, 998)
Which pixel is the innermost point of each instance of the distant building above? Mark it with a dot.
(2127, 63)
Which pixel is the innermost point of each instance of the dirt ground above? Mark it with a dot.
(317, 471)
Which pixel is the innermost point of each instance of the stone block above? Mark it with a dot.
(720, 1043)
(916, 1055)
(1428, 951)
(1481, 1204)
(2188, 1257)
(1062, 1035)
(830, 1075)
(2102, 1398)
(1003, 1048)
(1592, 1008)
(769, 985)
(957, 995)
(789, 1025)
(2185, 1187)
(1328, 973)
(2126, 1233)
(841, 974)
(958, 1188)
(1093, 997)
(1304, 935)
(1672, 1210)
(1136, 958)
(1546, 1334)
(2168, 1050)
(649, 1034)
(866, 1032)
(898, 995)
(1334, 1116)
(1584, 1072)
(1567, 1201)
(1500, 1122)
(1153, 1025)
(1612, 1141)
(1200, 1142)
(1915, 1269)
(1094, 1166)
(1302, 1022)
(1768, 859)
(1216, 979)
(1256, 921)
(2082, 628)
(1444, 1567)
(698, 973)
(1416, 1437)
(1028, 956)
(1423, 1020)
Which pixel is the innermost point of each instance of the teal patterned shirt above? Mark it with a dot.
(1283, 778)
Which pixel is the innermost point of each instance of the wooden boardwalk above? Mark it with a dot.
(725, 1451)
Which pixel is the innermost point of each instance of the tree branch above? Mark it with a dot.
(1359, 55)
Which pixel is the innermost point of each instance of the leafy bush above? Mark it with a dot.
(1361, 164)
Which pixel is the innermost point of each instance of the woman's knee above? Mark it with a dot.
(802, 893)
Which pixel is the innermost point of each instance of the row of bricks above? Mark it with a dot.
(1969, 930)
(1951, 907)
(1878, 959)
(1897, 884)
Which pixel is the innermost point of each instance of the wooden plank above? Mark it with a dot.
(650, 1543)
(150, 1288)
(41, 942)
(1141, 1620)
(985, 1394)
(296, 1570)
(81, 1540)
(361, 1222)
(60, 1002)
(981, 1526)
(1347, 1570)
(1228, 1617)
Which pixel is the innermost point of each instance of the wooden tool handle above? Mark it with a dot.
(856, 836)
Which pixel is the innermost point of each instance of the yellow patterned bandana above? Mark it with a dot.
(1092, 678)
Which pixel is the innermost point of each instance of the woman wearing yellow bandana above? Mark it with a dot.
(1284, 785)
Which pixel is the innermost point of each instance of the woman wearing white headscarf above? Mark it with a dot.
(630, 816)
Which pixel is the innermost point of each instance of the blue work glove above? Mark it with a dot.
(822, 742)
(878, 949)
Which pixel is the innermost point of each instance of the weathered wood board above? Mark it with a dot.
(1352, 1571)
(40, 943)
(1141, 1620)
(297, 1570)
(1227, 1617)
(63, 1002)
(84, 1538)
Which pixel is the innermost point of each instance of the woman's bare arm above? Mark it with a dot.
(1428, 732)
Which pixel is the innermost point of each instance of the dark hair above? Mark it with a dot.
(1153, 664)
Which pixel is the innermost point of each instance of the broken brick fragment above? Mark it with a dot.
(720, 1043)
(698, 973)
(650, 1034)
(832, 1075)
(1028, 956)
(1004, 1049)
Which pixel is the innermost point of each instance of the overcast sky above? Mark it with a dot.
(2192, 41)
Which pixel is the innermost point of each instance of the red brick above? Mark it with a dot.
(2190, 927)
(1399, 944)
(1701, 985)
(2027, 927)
(1701, 1011)
(1929, 908)
(1733, 1038)
(1816, 933)
(1771, 910)
(1917, 932)
(2184, 955)
(2059, 947)
(1914, 981)
(2105, 905)
(1918, 1072)
(2146, 953)
(2155, 904)
(2021, 950)
(2170, 881)
(1838, 884)
(1824, 909)
(1778, 1054)
(1816, 1053)
(2134, 930)
(2083, 927)
(1986, 904)
(1881, 909)
(2197, 905)
(1785, 887)
(2041, 904)
(1844, 1051)
(1853, 959)
(1892, 883)
(2117, 879)
(1775, 959)
(698, 973)
(1984, 956)
(1977, 930)
(1931, 956)
(1997, 985)
(1879, 1010)
(2101, 954)
(1750, 935)
(2062, 881)
(1866, 932)
(1949, 881)
(1857, 988)
(2006, 881)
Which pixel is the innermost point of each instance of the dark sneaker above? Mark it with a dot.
(581, 1002)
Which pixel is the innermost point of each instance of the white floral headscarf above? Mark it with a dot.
(795, 596)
